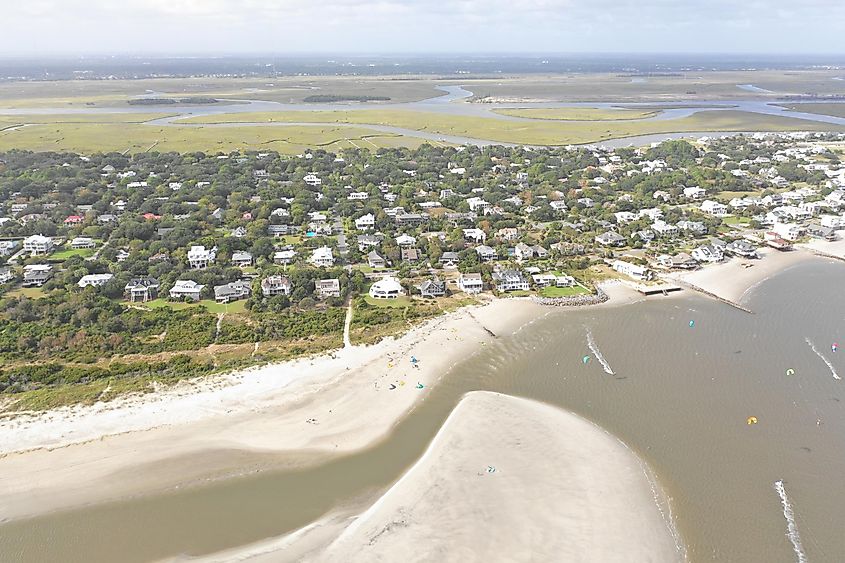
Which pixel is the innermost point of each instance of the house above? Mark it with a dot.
(404, 240)
(241, 259)
(587, 202)
(623, 217)
(475, 235)
(789, 231)
(284, 257)
(322, 257)
(365, 222)
(37, 245)
(328, 288)
(74, 220)
(470, 283)
(6, 275)
(36, 275)
(449, 259)
(411, 219)
(186, 290)
(544, 280)
(741, 248)
(275, 285)
(694, 227)
(82, 242)
(508, 234)
(708, 254)
(375, 261)
(523, 252)
(540, 252)
(558, 205)
(239, 232)
(565, 281)
(232, 291)
(94, 280)
(199, 258)
(7, 247)
(610, 239)
(141, 289)
(358, 196)
(663, 229)
(477, 204)
(386, 288)
(368, 241)
(432, 288)
(818, 231)
(681, 261)
(312, 180)
(485, 253)
(634, 271)
(714, 208)
(409, 254)
(510, 280)
(694, 193)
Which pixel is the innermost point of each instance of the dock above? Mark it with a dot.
(662, 289)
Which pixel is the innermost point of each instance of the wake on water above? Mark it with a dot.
(591, 344)
(825, 360)
(791, 527)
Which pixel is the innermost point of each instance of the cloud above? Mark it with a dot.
(423, 25)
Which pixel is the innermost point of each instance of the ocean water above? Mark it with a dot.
(680, 396)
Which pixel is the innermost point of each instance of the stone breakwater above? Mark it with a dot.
(574, 300)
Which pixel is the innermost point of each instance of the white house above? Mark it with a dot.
(275, 285)
(475, 235)
(386, 288)
(694, 192)
(199, 257)
(312, 180)
(38, 245)
(365, 222)
(186, 290)
(82, 242)
(358, 196)
(634, 271)
(714, 208)
(406, 241)
(623, 217)
(94, 280)
(789, 231)
(284, 257)
(470, 283)
(510, 280)
(322, 257)
(328, 288)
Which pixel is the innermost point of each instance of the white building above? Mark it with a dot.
(365, 222)
(38, 245)
(312, 180)
(186, 290)
(322, 257)
(386, 288)
(634, 271)
(694, 192)
(714, 208)
(199, 258)
(95, 280)
(470, 283)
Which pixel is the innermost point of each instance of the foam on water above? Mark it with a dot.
(825, 360)
(591, 344)
(791, 527)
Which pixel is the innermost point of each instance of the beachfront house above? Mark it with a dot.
(327, 288)
(186, 290)
(610, 238)
(141, 289)
(36, 275)
(470, 283)
(510, 280)
(232, 291)
(432, 288)
(94, 280)
(386, 288)
(741, 248)
(275, 285)
(635, 271)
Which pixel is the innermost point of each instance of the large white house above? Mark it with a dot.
(199, 257)
(365, 222)
(322, 257)
(470, 283)
(714, 208)
(634, 271)
(94, 280)
(186, 290)
(38, 245)
(386, 288)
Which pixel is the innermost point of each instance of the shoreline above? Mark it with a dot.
(590, 497)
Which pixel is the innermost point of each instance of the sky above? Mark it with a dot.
(73, 27)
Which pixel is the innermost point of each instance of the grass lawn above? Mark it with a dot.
(29, 292)
(64, 254)
(520, 293)
(563, 291)
(392, 303)
(210, 304)
(736, 220)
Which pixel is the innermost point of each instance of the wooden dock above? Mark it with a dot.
(662, 289)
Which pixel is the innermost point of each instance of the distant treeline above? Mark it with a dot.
(813, 96)
(328, 98)
(649, 74)
(171, 101)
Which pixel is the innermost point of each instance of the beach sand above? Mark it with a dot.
(505, 479)
(732, 280)
(311, 407)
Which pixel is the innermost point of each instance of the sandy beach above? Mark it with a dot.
(734, 278)
(332, 403)
(505, 479)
